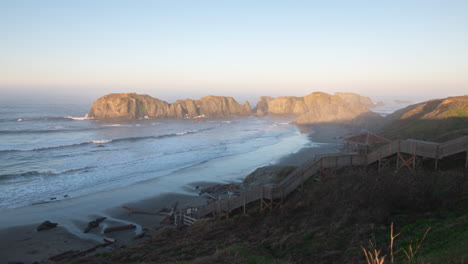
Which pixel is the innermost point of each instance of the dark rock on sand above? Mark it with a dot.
(46, 225)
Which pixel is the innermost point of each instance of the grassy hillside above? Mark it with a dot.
(439, 119)
(327, 223)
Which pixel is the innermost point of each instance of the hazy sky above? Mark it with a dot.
(177, 49)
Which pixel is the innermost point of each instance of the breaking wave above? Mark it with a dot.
(42, 173)
(100, 142)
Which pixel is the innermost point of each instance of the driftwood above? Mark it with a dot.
(138, 211)
(94, 224)
(108, 239)
(118, 228)
(140, 235)
(46, 225)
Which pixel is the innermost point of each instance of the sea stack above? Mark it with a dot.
(317, 107)
(131, 106)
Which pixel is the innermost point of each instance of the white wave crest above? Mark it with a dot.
(186, 132)
(100, 141)
(86, 117)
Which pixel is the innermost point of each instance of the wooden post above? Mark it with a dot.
(437, 157)
(414, 156)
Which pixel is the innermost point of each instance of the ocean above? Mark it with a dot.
(54, 152)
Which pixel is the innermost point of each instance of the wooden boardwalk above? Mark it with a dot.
(272, 195)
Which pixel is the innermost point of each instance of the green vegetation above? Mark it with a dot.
(328, 223)
(437, 120)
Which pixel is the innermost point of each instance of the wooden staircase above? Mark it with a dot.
(269, 195)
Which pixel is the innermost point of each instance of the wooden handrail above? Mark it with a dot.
(303, 173)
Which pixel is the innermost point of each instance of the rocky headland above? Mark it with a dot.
(313, 108)
(317, 107)
(435, 120)
(130, 106)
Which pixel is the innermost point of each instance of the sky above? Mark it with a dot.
(81, 50)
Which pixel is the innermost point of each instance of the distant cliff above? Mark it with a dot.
(316, 107)
(353, 98)
(129, 106)
(439, 120)
(313, 108)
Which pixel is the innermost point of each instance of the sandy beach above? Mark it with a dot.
(22, 243)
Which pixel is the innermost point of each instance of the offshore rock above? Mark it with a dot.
(131, 106)
(316, 107)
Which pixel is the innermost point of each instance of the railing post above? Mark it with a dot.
(437, 157)
(414, 156)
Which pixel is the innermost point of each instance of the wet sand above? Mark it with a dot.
(23, 243)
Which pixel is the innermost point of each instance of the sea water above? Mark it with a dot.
(54, 152)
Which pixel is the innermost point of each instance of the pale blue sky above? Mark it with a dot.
(177, 49)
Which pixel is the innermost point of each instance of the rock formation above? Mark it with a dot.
(129, 106)
(314, 108)
(352, 98)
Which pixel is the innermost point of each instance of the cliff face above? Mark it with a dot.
(128, 106)
(352, 98)
(313, 108)
(439, 119)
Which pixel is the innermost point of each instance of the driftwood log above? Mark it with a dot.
(46, 225)
(94, 224)
(140, 235)
(118, 228)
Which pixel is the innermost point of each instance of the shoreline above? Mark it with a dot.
(68, 236)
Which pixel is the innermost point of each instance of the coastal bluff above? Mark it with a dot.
(318, 107)
(131, 106)
(313, 108)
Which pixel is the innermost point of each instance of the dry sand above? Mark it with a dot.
(25, 244)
